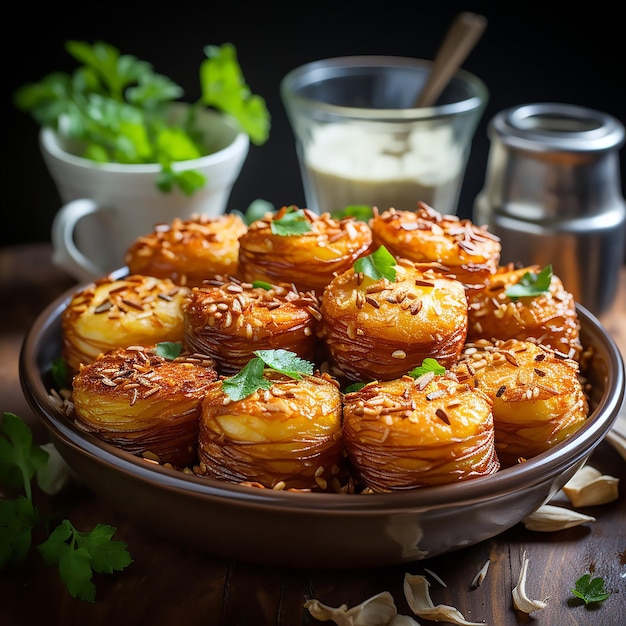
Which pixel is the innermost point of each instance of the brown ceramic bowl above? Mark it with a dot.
(309, 529)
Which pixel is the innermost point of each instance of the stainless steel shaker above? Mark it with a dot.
(553, 195)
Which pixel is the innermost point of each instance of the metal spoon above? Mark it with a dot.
(461, 38)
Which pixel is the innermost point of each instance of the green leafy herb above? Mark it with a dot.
(428, 365)
(60, 373)
(76, 554)
(262, 284)
(379, 264)
(590, 590)
(292, 222)
(118, 108)
(169, 349)
(251, 377)
(354, 387)
(256, 210)
(361, 212)
(531, 284)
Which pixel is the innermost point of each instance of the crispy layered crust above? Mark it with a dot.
(286, 437)
(229, 320)
(309, 260)
(538, 399)
(406, 433)
(550, 318)
(143, 403)
(116, 313)
(189, 251)
(468, 252)
(380, 330)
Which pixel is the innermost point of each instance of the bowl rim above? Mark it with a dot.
(534, 471)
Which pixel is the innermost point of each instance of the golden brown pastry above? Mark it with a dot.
(286, 437)
(469, 252)
(189, 251)
(308, 259)
(549, 318)
(375, 329)
(409, 433)
(144, 403)
(538, 399)
(116, 313)
(229, 319)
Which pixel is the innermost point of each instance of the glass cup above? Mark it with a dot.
(360, 140)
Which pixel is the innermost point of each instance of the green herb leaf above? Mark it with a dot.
(531, 285)
(261, 284)
(354, 387)
(60, 373)
(590, 590)
(428, 365)
(246, 381)
(361, 212)
(169, 349)
(293, 222)
(19, 458)
(285, 362)
(224, 87)
(17, 519)
(79, 554)
(379, 264)
(251, 377)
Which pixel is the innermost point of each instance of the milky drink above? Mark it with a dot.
(347, 164)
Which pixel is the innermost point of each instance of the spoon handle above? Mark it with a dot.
(461, 38)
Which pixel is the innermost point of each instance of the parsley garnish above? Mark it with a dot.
(169, 349)
(531, 284)
(292, 222)
(76, 554)
(118, 107)
(251, 377)
(590, 590)
(379, 264)
(361, 212)
(428, 365)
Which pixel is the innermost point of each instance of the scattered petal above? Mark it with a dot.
(482, 574)
(379, 610)
(435, 577)
(55, 475)
(549, 518)
(419, 601)
(589, 487)
(520, 600)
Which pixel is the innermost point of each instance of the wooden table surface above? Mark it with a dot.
(168, 584)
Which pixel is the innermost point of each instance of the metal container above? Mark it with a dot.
(553, 195)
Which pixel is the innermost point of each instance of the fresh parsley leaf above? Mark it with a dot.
(590, 590)
(79, 554)
(428, 365)
(251, 377)
(354, 387)
(361, 212)
(19, 458)
(256, 210)
(248, 380)
(285, 362)
(60, 373)
(17, 519)
(169, 349)
(292, 222)
(380, 264)
(531, 284)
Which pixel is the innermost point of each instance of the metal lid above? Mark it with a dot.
(554, 127)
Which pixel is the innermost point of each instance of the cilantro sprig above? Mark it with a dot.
(380, 264)
(76, 554)
(428, 365)
(590, 590)
(531, 284)
(252, 376)
(118, 107)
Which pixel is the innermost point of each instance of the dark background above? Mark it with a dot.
(530, 52)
